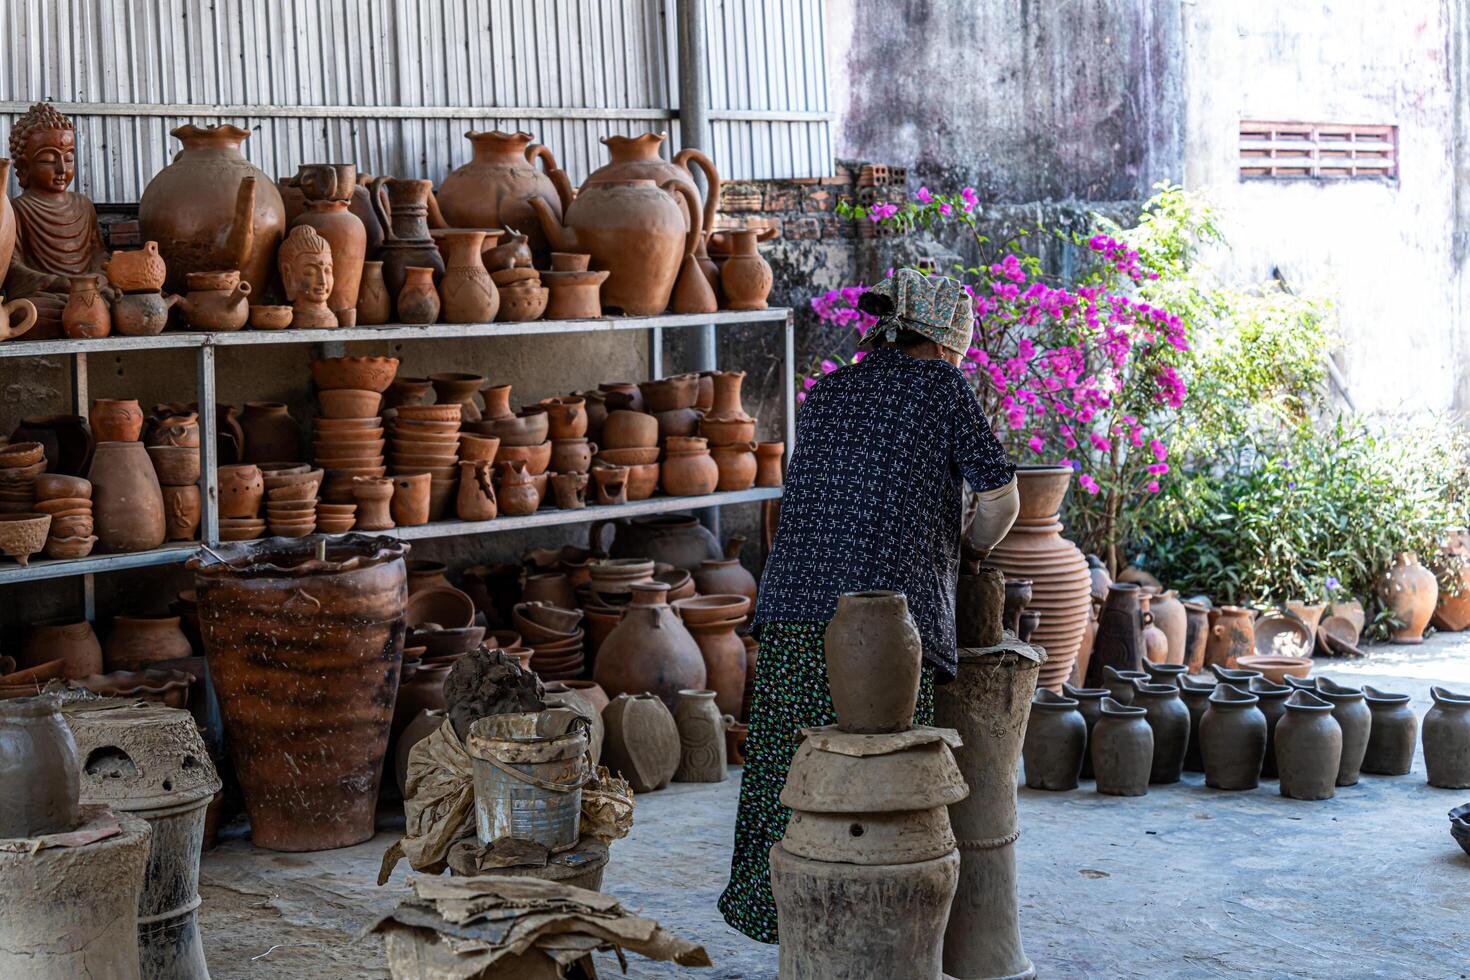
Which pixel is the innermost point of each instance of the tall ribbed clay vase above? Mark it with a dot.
(873, 659)
(305, 655)
(1447, 739)
(1061, 584)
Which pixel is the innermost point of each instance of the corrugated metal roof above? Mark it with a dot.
(394, 86)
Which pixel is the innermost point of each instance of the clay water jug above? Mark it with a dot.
(638, 158)
(212, 209)
(634, 230)
(271, 434)
(1232, 635)
(1409, 591)
(345, 235)
(139, 641)
(374, 304)
(1239, 677)
(1089, 706)
(75, 643)
(1169, 719)
(1122, 750)
(403, 211)
(1355, 719)
(116, 419)
(127, 502)
(1447, 739)
(418, 300)
(746, 277)
(86, 314)
(873, 655)
(1196, 698)
(1392, 734)
(641, 741)
(701, 738)
(1308, 748)
(1119, 683)
(649, 651)
(1232, 737)
(38, 768)
(1271, 699)
(1061, 584)
(476, 500)
(677, 539)
(468, 293)
(495, 188)
(1056, 738)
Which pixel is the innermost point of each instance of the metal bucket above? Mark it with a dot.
(529, 770)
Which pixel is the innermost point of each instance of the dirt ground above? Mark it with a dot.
(1183, 882)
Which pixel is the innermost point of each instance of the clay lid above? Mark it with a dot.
(838, 772)
(139, 756)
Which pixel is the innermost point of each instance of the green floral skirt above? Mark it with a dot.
(790, 694)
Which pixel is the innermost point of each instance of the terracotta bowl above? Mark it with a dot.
(288, 508)
(445, 445)
(51, 486)
(1282, 635)
(445, 605)
(265, 317)
(64, 505)
(536, 458)
(241, 533)
(335, 510)
(349, 461)
(268, 470)
(292, 530)
(528, 428)
(447, 643)
(349, 403)
(1277, 668)
(704, 609)
(335, 525)
(20, 454)
(508, 277)
(503, 638)
(633, 456)
(370, 373)
(241, 522)
(311, 478)
(624, 429)
(425, 461)
(368, 445)
(350, 472)
(476, 448)
(321, 425)
(431, 413)
(727, 432)
(553, 617)
(176, 466)
(417, 426)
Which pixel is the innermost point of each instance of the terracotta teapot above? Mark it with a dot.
(137, 271)
(216, 300)
(495, 188)
(633, 229)
(638, 158)
(212, 209)
(9, 329)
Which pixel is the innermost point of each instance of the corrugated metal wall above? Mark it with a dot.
(394, 84)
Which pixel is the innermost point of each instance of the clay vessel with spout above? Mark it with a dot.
(403, 211)
(216, 300)
(496, 187)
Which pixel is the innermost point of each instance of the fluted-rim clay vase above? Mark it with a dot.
(1392, 734)
(1409, 591)
(1122, 750)
(127, 501)
(1233, 739)
(1355, 719)
(1308, 748)
(1056, 738)
(873, 654)
(1169, 718)
(641, 741)
(1446, 739)
(1271, 699)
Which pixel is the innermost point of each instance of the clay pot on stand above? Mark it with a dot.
(641, 742)
(649, 651)
(1169, 719)
(1122, 750)
(1308, 748)
(1355, 719)
(1056, 738)
(127, 501)
(701, 738)
(873, 652)
(1392, 734)
(1447, 739)
(1233, 739)
(1409, 591)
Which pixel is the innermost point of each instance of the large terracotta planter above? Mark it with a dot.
(495, 188)
(1410, 592)
(649, 651)
(1060, 581)
(127, 502)
(304, 655)
(212, 209)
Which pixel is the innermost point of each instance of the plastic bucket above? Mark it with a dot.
(528, 781)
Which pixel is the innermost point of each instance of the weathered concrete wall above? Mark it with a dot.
(1023, 99)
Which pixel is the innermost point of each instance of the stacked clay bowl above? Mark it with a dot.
(68, 502)
(524, 437)
(555, 636)
(290, 498)
(20, 464)
(631, 439)
(522, 297)
(1061, 585)
(441, 620)
(348, 434)
(425, 439)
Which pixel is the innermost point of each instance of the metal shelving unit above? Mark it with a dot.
(331, 341)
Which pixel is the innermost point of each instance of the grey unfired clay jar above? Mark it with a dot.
(1272, 702)
(1089, 706)
(1447, 739)
(1195, 694)
(873, 657)
(1353, 716)
(1056, 736)
(1169, 719)
(1392, 735)
(1232, 739)
(1120, 683)
(1122, 750)
(1308, 748)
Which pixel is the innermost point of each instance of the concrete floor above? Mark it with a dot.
(1183, 882)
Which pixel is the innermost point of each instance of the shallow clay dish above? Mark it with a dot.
(447, 606)
(1277, 669)
(1282, 635)
(270, 317)
(371, 373)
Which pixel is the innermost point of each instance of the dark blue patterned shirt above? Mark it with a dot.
(873, 494)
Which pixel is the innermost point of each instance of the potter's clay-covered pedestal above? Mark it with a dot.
(305, 656)
(988, 704)
(865, 875)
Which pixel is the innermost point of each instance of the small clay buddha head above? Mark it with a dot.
(306, 265)
(43, 145)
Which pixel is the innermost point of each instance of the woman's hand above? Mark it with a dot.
(995, 512)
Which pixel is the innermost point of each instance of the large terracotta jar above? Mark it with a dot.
(67, 440)
(495, 188)
(137, 642)
(304, 654)
(638, 158)
(634, 230)
(75, 643)
(649, 651)
(403, 211)
(127, 502)
(344, 231)
(873, 655)
(678, 539)
(271, 434)
(1061, 583)
(1410, 592)
(212, 209)
(469, 294)
(1232, 635)
(1171, 620)
(724, 660)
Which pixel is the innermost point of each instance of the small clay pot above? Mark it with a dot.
(418, 300)
(566, 417)
(689, 472)
(1122, 749)
(516, 493)
(768, 456)
(571, 455)
(181, 512)
(1233, 739)
(410, 503)
(736, 465)
(116, 420)
(1308, 748)
(241, 489)
(1056, 737)
(372, 496)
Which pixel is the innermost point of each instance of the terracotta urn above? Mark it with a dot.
(639, 158)
(746, 277)
(127, 501)
(86, 313)
(403, 211)
(736, 464)
(689, 471)
(1232, 635)
(640, 741)
(1056, 739)
(116, 420)
(75, 644)
(701, 738)
(418, 300)
(374, 303)
(271, 434)
(873, 657)
(41, 773)
(650, 650)
(1061, 583)
(495, 188)
(137, 642)
(1122, 750)
(212, 209)
(467, 292)
(1447, 739)
(1409, 591)
(304, 654)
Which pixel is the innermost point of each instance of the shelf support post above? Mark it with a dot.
(208, 449)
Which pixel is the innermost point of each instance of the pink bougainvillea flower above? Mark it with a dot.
(1088, 483)
(971, 199)
(924, 196)
(1153, 486)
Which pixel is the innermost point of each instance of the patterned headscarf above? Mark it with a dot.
(931, 306)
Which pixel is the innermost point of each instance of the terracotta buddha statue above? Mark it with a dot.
(57, 235)
(306, 272)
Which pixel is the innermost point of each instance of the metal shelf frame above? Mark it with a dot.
(331, 344)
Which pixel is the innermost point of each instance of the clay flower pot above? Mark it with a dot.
(410, 502)
(23, 535)
(304, 655)
(873, 657)
(371, 373)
